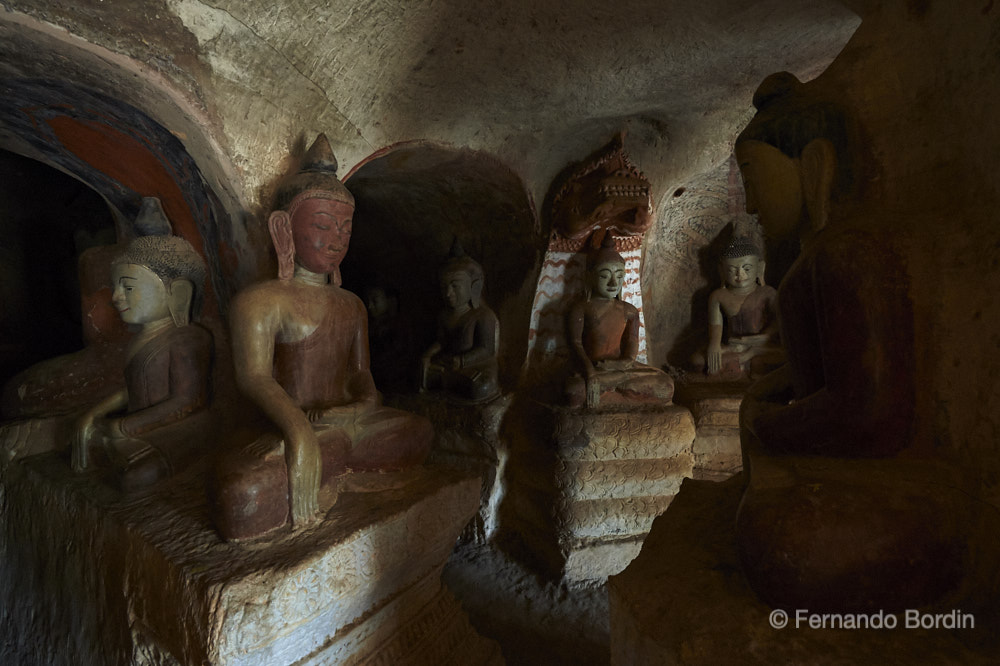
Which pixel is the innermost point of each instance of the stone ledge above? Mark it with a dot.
(155, 563)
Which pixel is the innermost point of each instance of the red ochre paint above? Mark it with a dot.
(136, 166)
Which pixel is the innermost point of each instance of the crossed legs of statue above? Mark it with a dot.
(252, 485)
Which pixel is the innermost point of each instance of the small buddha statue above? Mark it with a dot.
(463, 360)
(158, 422)
(603, 336)
(300, 351)
(747, 307)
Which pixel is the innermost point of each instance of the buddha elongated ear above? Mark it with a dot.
(476, 291)
(818, 167)
(180, 293)
(761, 266)
(280, 226)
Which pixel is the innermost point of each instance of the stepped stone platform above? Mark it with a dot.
(89, 577)
(467, 437)
(715, 406)
(583, 492)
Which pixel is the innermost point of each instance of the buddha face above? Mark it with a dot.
(456, 287)
(139, 294)
(740, 272)
(607, 278)
(321, 231)
(773, 188)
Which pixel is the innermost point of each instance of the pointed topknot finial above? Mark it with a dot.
(320, 156)
(151, 220)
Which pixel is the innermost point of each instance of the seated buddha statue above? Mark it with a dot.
(463, 360)
(158, 422)
(300, 351)
(843, 510)
(745, 307)
(602, 332)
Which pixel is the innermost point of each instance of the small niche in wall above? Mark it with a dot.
(413, 200)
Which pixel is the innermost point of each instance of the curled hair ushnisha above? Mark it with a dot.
(169, 258)
(740, 246)
(604, 254)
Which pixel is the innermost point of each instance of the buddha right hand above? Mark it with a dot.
(83, 431)
(305, 467)
(714, 359)
(593, 391)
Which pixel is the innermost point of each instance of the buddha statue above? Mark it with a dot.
(602, 332)
(158, 422)
(300, 351)
(746, 307)
(463, 360)
(843, 510)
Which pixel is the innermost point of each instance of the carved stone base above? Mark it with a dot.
(90, 578)
(715, 406)
(582, 496)
(467, 437)
(685, 600)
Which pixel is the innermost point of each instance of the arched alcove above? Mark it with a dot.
(118, 154)
(412, 201)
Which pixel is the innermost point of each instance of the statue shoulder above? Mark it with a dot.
(484, 314)
(259, 302)
(353, 300)
(193, 335)
(629, 310)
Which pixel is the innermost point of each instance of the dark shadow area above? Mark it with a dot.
(48, 219)
(412, 202)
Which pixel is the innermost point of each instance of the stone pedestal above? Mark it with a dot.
(685, 600)
(715, 406)
(467, 437)
(584, 488)
(88, 577)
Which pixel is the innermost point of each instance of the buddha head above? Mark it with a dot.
(461, 279)
(793, 157)
(158, 277)
(312, 222)
(605, 271)
(741, 265)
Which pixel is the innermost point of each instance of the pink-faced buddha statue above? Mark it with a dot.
(602, 332)
(463, 360)
(158, 422)
(300, 350)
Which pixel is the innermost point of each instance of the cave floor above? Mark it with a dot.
(535, 620)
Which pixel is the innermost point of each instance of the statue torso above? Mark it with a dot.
(754, 313)
(315, 370)
(604, 324)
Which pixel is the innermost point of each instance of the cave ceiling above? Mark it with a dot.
(537, 84)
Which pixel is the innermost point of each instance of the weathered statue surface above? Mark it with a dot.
(300, 350)
(605, 194)
(602, 332)
(463, 360)
(157, 423)
(833, 517)
(746, 307)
